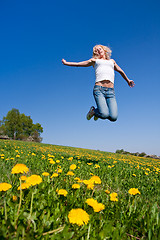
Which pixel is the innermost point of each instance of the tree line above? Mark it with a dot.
(18, 126)
(142, 154)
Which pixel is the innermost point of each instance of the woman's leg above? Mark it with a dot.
(102, 110)
(106, 103)
(112, 105)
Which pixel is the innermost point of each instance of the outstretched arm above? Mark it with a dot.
(87, 63)
(118, 69)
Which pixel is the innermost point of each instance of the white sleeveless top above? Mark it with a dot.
(104, 70)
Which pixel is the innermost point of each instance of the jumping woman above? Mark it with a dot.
(104, 85)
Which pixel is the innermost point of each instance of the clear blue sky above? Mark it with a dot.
(36, 35)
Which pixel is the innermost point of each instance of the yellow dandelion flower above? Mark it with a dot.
(134, 175)
(23, 178)
(89, 164)
(91, 202)
(20, 168)
(24, 186)
(70, 158)
(34, 180)
(14, 198)
(99, 207)
(147, 169)
(52, 162)
(75, 186)
(57, 161)
(59, 170)
(107, 191)
(86, 182)
(95, 179)
(97, 166)
(54, 175)
(70, 173)
(90, 186)
(80, 181)
(113, 197)
(73, 167)
(134, 191)
(45, 174)
(62, 192)
(78, 216)
(77, 178)
(5, 186)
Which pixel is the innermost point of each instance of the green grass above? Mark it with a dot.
(40, 213)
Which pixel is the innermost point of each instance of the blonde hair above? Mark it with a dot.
(107, 50)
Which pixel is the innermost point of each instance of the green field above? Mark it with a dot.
(73, 193)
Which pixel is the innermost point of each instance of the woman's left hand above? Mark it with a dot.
(131, 83)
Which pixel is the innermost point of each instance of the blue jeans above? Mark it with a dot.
(106, 103)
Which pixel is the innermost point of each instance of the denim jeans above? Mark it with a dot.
(106, 103)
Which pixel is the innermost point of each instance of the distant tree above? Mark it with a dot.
(27, 124)
(120, 151)
(19, 126)
(2, 129)
(36, 131)
(12, 123)
(36, 137)
(142, 154)
(37, 127)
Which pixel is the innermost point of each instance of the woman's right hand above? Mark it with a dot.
(64, 61)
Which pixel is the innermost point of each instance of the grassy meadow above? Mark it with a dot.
(56, 192)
